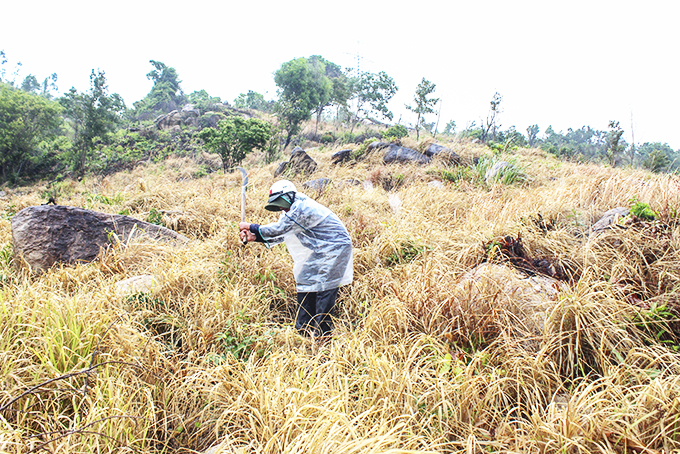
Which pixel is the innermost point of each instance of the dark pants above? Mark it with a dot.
(315, 312)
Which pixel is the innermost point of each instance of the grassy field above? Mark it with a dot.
(428, 355)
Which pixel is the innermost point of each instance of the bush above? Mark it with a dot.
(396, 131)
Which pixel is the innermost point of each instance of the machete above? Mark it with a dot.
(244, 184)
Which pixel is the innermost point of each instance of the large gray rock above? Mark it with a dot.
(318, 185)
(495, 171)
(168, 121)
(47, 234)
(299, 163)
(434, 150)
(397, 154)
(489, 287)
(341, 156)
(608, 219)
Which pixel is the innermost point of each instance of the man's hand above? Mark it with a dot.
(244, 232)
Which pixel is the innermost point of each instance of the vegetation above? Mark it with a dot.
(92, 116)
(484, 315)
(422, 103)
(28, 122)
(235, 137)
(420, 360)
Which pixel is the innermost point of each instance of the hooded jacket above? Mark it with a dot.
(318, 242)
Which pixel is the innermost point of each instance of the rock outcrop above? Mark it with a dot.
(608, 219)
(47, 234)
(434, 150)
(397, 154)
(300, 163)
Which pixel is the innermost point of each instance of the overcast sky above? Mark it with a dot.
(565, 64)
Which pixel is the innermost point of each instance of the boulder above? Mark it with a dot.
(397, 154)
(299, 163)
(47, 234)
(189, 111)
(608, 219)
(137, 284)
(434, 150)
(168, 121)
(189, 115)
(493, 173)
(490, 286)
(341, 156)
(319, 185)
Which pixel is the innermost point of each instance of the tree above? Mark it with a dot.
(657, 161)
(450, 128)
(492, 116)
(252, 100)
(614, 145)
(30, 84)
(166, 94)
(372, 92)
(303, 87)
(92, 115)
(532, 134)
(423, 104)
(26, 120)
(235, 137)
(340, 84)
(203, 101)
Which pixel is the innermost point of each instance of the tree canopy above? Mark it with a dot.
(235, 137)
(166, 94)
(422, 103)
(92, 115)
(26, 120)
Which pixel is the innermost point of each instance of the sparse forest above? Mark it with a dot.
(495, 306)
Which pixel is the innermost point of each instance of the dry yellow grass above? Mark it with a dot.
(417, 363)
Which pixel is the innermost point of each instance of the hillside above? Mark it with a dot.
(431, 353)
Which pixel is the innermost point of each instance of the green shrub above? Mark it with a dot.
(396, 131)
(642, 210)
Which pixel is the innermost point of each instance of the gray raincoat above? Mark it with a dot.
(318, 242)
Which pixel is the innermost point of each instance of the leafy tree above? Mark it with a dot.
(532, 135)
(235, 137)
(203, 101)
(252, 100)
(26, 120)
(450, 127)
(372, 92)
(303, 87)
(614, 145)
(340, 84)
(30, 84)
(657, 156)
(166, 94)
(423, 104)
(584, 142)
(92, 115)
(657, 161)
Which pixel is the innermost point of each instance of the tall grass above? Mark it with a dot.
(427, 355)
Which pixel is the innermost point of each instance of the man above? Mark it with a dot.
(321, 249)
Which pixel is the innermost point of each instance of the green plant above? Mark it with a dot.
(642, 210)
(460, 173)
(405, 252)
(396, 131)
(9, 211)
(235, 137)
(155, 217)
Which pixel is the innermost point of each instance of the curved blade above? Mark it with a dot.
(244, 176)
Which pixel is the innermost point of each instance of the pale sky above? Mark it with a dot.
(565, 64)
